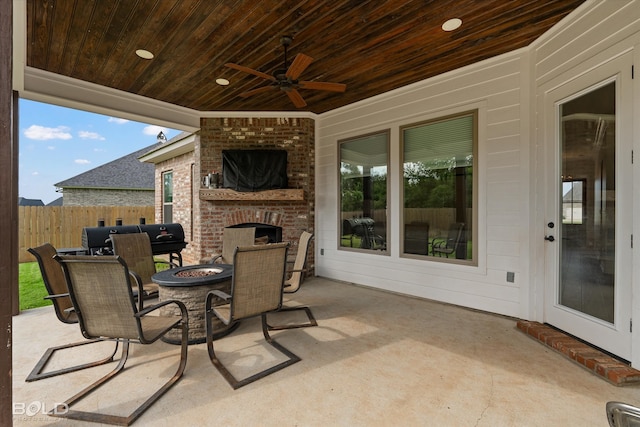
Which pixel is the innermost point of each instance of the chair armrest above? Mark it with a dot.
(215, 258)
(184, 321)
(220, 296)
(138, 280)
(151, 308)
(55, 296)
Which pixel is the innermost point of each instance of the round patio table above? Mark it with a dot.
(190, 284)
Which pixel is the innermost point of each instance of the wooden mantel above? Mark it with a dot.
(228, 194)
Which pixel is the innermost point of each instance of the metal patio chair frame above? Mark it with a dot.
(100, 289)
(256, 289)
(445, 246)
(619, 414)
(135, 249)
(233, 237)
(292, 284)
(58, 294)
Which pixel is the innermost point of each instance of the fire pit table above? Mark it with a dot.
(190, 284)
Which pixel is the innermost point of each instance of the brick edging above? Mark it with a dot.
(601, 364)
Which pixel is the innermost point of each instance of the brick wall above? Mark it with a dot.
(183, 196)
(204, 220)
(297, 137)
(97, 197)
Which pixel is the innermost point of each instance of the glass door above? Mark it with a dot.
(588, 232)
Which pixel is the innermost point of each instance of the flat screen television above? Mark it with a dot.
(254, 170)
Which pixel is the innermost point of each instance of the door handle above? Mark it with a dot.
(550, 238)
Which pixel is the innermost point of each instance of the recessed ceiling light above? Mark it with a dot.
(452, 24)
(144, 54)
(222, 82)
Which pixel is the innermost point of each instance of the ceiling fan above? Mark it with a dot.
(286, 79)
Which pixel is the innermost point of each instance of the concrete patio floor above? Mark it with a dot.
(375, 359)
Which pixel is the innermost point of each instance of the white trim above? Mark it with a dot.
(44, 86)
(170, 150)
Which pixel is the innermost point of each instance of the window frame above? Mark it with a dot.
(164, 195)
(340, 143)
(582, 203)
(473, 261)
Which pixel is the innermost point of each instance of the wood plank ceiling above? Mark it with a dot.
(371, 46)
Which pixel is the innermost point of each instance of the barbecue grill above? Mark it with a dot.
(165, 239)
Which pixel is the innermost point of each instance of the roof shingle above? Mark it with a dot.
(127, 172)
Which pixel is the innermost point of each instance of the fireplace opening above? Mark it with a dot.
(272, 232)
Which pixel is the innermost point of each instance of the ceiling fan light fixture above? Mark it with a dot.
(222, 82)
(144, 54)
(452, 24)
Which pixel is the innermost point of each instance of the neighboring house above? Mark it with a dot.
(57, 202)
(29, 202)
(122, 182)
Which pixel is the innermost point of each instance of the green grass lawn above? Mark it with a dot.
(32, 290)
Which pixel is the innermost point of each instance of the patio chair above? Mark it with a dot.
(56, 286)
(622, 414)
(100, 288)
(256, 289)
(135, 249)
(445, 246)
(231, 239)
(292, 284)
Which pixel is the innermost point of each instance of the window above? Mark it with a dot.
(363, 192)
(573, 198)
(439, 187)
(167, 197)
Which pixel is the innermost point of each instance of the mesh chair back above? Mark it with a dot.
(455, 234)
(297, 276)
(258, 278)
(102, 295)
(135, 249)
(54, 281)
(235, 237)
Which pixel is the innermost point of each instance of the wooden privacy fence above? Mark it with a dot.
(62, 225)
(439, 219)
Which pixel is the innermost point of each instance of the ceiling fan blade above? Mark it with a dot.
(250, 71)
(332, 87)
(299, 64)
(296, 98)
(256, 91)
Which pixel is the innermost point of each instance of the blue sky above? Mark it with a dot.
(58, 143)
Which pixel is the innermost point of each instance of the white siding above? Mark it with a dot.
(592, 36)
(511, 219)
(492, 87)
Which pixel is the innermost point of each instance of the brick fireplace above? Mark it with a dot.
(292, 209)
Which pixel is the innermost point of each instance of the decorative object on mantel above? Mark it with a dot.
(292, 194)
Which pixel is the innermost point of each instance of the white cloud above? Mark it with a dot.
(99, 150)
(153, 130)
(51, 147)
(36, 173)
(42, 133)
(117, 120)
(82, 161)
(90, 135)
